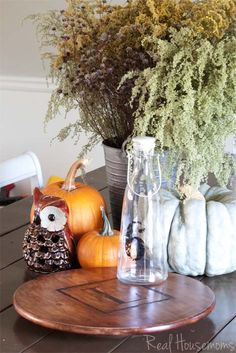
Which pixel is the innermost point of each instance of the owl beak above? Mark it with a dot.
(37, 220)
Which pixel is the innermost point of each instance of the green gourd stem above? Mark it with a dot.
(106, 230)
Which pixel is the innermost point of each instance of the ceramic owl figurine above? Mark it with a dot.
(48, 243)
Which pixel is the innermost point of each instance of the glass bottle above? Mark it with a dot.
(142, 253)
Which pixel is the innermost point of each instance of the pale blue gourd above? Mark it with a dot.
(200, 231)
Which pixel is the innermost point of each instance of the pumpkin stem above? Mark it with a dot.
(69, 183)
(106, 230)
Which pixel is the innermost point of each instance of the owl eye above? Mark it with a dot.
(52, 218)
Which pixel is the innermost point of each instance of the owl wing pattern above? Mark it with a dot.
(46, 251)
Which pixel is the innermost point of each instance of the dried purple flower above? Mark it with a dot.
(82, 94)
(129, 50)
(104, 37)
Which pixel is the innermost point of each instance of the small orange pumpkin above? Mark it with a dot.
(99, 249)
(83, 201)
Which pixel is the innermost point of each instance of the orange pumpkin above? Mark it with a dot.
(99, 249)
(83, 201)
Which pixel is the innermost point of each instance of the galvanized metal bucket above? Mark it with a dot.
(116, 171)
(116, 163)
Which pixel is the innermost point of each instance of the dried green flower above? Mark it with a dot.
(187, 101)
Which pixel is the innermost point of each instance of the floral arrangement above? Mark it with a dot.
(162, 68)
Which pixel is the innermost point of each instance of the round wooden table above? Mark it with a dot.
(94, 302)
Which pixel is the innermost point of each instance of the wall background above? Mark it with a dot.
(24, 94)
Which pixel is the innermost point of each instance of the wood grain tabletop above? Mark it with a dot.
(216, 333)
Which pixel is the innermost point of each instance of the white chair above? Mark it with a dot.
(24, 166)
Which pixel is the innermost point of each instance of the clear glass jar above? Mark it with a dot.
(142, 253)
